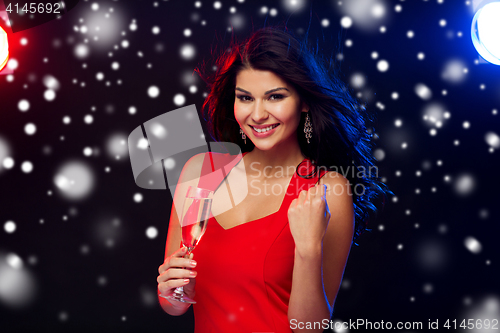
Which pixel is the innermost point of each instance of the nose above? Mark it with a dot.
(259, 113)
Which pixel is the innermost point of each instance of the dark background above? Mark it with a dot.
(93, 267)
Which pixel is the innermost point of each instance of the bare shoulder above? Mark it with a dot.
(193, 167)
(339, 199)
(336, 181)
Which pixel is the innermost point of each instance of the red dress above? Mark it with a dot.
(244, 276)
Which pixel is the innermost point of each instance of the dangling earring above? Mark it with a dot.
(308, 127)
(243, 135)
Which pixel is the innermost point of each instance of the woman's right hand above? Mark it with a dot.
(176, 271)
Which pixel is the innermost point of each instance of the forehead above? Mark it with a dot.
(258, 80)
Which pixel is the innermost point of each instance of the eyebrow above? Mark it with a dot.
(266, 93)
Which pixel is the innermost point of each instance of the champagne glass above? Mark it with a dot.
(195, 215)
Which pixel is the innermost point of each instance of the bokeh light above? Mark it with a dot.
(51, 82)
(151, 232)
(423, 91)
(23, 105)
(454, 71)
(383, 65)
(158, 130)
(81, 51)
(30, 128)
(432, 255)
(104, 26)
(491, 138)
(358, 80)
(179, 99)
(9, 227)
(153, 91)
(367, 15)
(12, 64)
(75, 180)
(187, 52)
(473, 245)
(108, 230)
(138, 197)
(486, 310)
(148, 297)
(434, 115)
(18, 286)
(237, 21)
(4, 151)
(169, 163)
(27, 167)
(346, 22)
(293, 5)
(116, 145)
(464, 184)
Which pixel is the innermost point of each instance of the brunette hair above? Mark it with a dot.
(340, 139)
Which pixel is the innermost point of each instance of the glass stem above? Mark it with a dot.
(179, 291)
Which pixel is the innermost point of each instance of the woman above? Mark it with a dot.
(274, 263)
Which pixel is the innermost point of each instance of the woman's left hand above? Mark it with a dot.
(308, 217)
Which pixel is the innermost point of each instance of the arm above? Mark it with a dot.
(189, 177)
(319, 266)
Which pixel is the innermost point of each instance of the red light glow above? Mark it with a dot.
(4, 48)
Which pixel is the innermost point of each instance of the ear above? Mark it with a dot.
(304, 107)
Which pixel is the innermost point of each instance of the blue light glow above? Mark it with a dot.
(485, 32)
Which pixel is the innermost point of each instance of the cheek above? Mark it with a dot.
(241, 112)
(287, 113)
(237, 111)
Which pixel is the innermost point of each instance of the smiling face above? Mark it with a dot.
(264, 100)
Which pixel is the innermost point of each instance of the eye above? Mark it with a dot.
(244, 98)
(276, 97)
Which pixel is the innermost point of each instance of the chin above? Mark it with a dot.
(267, 146)
(264, 147)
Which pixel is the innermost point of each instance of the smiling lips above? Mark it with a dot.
(264, 129)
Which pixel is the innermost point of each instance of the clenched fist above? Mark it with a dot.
(308, 217)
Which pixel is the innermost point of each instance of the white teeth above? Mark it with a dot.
(265, 129)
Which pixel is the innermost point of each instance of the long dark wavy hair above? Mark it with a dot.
(342, 138)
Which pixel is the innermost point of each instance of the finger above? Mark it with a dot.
(170, 284)
(177, 273)
(313, 190)
(320, 190)
(302, 197)
(314, 193)
(182, 263)
(189, 256)
(180, 252)
(168, 261)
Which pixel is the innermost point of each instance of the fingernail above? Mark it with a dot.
(192, 273)
(192, 263)
(186, 280)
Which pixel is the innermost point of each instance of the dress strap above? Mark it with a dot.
(307, 170)
(322, 172)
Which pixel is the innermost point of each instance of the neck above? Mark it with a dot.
(279, 157)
